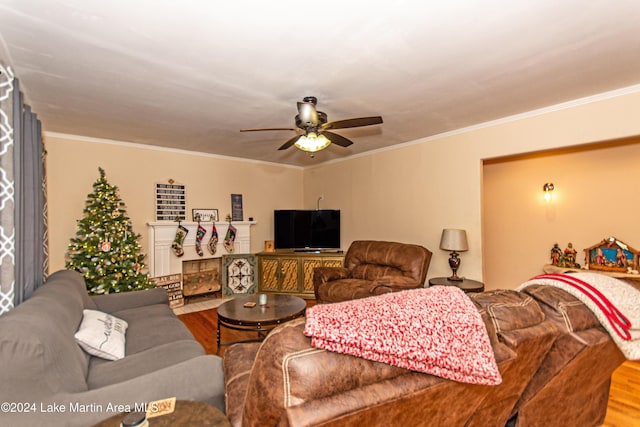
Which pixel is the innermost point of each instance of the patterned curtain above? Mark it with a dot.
(23, 232)
(7, 230)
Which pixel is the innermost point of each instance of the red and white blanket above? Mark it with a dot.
(615, 303)
(436, 330)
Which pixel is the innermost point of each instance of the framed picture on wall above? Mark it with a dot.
(236, 207)
(204, 215)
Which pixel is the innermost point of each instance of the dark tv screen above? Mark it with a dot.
(307, 229)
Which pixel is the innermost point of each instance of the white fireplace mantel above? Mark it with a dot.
(163, 261)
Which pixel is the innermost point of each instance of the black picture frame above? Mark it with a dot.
(236, 208)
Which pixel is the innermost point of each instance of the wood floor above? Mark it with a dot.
(624, 397)
(202, 325)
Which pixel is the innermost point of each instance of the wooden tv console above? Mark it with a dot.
(291, 272)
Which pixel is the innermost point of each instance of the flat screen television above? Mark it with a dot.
(306, 229)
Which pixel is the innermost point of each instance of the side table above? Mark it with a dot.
(187, 413)
(467, 285)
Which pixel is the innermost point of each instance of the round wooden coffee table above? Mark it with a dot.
(247, 314)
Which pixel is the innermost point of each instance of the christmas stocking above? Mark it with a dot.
(176, 246)
(213, 241)
(199, 235)
(230, 238)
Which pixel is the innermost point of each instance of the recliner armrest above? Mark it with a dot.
(386, 284)
(327, 274)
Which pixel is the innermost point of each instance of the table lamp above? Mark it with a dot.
(454, 240)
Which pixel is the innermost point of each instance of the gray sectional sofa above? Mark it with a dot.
(46, 378)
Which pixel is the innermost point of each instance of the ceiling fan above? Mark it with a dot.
(313, 130)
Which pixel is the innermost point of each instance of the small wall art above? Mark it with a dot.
(204, 215)
(236, 207)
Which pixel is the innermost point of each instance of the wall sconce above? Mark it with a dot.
(548, 190)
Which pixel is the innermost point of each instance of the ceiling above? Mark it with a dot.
(191, 74)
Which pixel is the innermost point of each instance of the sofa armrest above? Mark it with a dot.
(408, 400)
(237, 363)
(200, 378)
(125, 300)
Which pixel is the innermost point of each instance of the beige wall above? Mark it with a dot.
(596, 196)
(72, 168)
(406, 194)
(413, 192)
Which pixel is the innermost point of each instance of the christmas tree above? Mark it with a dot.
(106, 250)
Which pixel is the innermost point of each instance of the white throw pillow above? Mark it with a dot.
(102, 334)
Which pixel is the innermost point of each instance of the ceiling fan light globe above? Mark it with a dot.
(312, 142)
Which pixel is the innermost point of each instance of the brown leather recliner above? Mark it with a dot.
(284, 381)
(372, 268)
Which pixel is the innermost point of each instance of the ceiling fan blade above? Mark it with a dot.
(337, 139)
(289, 143)
(353, 123)
(261, 129)
(308, 114)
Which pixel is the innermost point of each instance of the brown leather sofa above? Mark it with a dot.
(372, 268)
(571, 387)
(552, 374)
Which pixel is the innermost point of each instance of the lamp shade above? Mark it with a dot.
(454, 240)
